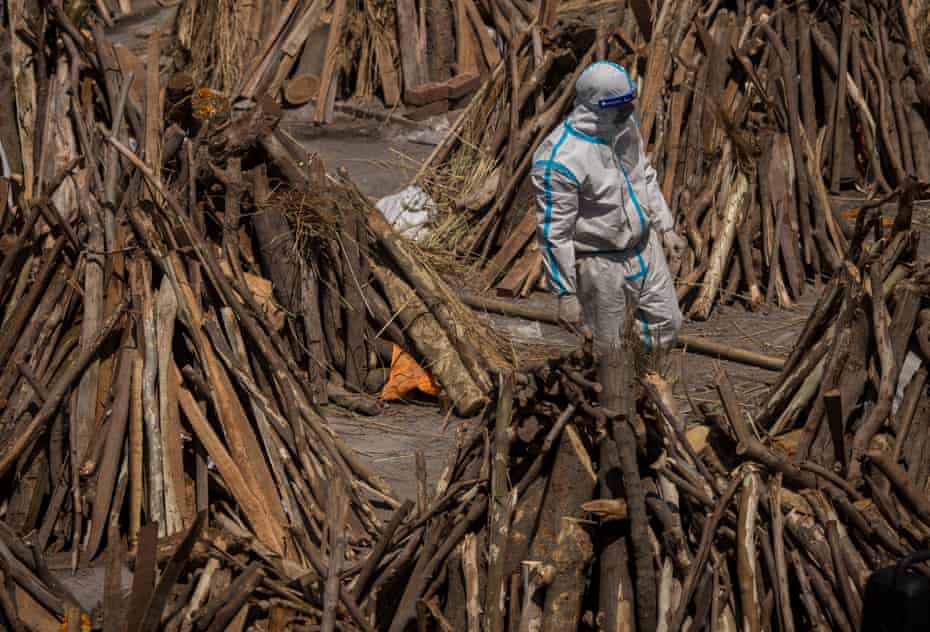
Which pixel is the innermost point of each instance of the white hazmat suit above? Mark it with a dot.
(601, 216)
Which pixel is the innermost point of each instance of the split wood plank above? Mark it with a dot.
(514, 280)
(324, 100)
(240, 435)
(243, 493)
(408, 34)
(297, 38)
(519, 237)
(166, 309)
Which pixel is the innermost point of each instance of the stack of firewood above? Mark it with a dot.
(182, 290)
(429, 56)
(586, 499)
(760, 150)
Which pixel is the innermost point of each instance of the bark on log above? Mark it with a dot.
(571, 556)
(720, 253)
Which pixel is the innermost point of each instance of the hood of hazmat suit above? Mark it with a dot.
(596, 193)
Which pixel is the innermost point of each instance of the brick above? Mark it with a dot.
(426, 93)
(463, 84)
(426, 111)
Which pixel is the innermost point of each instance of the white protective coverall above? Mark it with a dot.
(601, 214)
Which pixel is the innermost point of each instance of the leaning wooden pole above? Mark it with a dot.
(617, 372)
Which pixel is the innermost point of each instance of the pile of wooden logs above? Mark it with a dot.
(587, 499)
(758, 146)
(429, 56)
(172, 325)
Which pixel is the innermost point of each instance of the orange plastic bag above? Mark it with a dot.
(407, 376)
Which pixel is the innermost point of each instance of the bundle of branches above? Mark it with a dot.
(355, 289)
(856, 381)
(429, 55)
(752, 135)
(561, 523)
(205, 578)
(149, 374)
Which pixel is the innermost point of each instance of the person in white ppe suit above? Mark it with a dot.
(602, 221)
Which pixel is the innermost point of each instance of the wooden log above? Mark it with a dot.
(244, 494)
(440, 38)
(570, 558)
(338, 507)
(916, 52)
(904, 428)
(295, 284)
(328, 80)
(24, 436)
(683, 76)
(616, 604)
(746, 552)
(408, 34)
(696, 344)
(353, 240)
(24, 89)
(849, 597)
(406, 610)
(303, 34)
(302, 89)
(152, 428)
(136, 435)
(519, 236)
(273, 40)
(470, 568)
(830, 250)
(489, 50)
(899, 480)
(570, 484)
(172, 460)
(523, 522)
(615, 374)
(659, 58)
(920, 134)
(537, 576)
(840, 123)
(515, 279)
(502, 504)
(703, 304)
(807, 598)
(157, 599)
(106, 479)
(785, 612)
(84, 422)
(431, 289)
(880, 319)
(221, 610)
(700, 559)
(466, 45)
(432, 343)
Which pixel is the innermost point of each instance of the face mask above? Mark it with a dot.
(622, 114)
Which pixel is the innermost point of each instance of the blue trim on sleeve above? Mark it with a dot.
(558, 166)
(547, 187)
